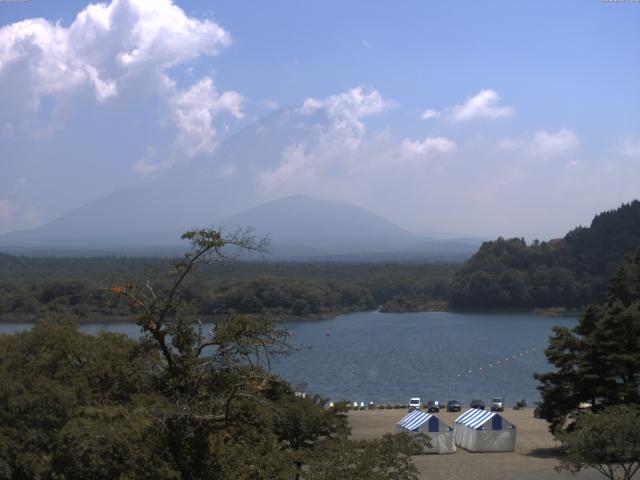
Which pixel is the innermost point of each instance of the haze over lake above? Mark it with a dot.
(389, 357)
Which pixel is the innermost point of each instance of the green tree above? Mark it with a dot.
(180, 403)
(386, 458)
(598, 361)
(76, 405)
(608, 442)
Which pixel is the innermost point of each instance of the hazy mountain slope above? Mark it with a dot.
(321, 226)
(198, 193)
(148, 218)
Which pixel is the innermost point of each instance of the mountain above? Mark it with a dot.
(299, 228)
(302, 226)
(147, 219)
(571, 272)
(192, 194)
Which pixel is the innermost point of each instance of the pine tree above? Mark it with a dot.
(598, 361)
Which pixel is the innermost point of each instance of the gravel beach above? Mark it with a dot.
(535, 456)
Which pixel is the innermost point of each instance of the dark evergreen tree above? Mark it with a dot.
(598, 361)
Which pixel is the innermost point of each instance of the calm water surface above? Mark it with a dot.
(387, 357)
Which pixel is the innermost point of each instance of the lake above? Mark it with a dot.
(389, 357)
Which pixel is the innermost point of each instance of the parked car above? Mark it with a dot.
(433, 406)
(477, 404)
(414, 403)
(497, 404)
(454, 406)
(537, 412)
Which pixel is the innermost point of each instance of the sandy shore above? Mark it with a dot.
(535, 456)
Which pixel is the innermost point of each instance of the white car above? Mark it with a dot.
(414, 404)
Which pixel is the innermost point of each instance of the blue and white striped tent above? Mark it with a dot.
(440, 434)
(481, 431)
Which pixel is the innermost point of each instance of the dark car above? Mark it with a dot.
(477, 404)
(454, 406)
(537, 412)
(433, 406)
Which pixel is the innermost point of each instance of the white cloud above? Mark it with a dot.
(346, 111)
(542, 144)
(485, 104)
(294, 162)
(148, 164)
(547, 144)
(428, 146)
(193, 110)
(631, 148)
(192, 113)
(271, 104)
(427, 114)
(107, 49)
(334, 139)
(104, 48)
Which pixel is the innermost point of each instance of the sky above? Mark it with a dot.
(458, 118)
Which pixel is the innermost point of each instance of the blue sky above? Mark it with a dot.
(534, 120)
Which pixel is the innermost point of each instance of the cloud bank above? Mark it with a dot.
(107, 49)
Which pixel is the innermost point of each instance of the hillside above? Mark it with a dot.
(570, 272)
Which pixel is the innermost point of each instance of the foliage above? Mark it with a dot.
(180, 403)
(35, 287)
(598, 361)
(71, 395)
(386, 458)
(569, 272)
(608, 442)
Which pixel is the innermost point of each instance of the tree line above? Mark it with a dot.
(35, 287)
(569, 272)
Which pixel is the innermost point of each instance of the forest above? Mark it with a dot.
(569, 272)
(33, 287)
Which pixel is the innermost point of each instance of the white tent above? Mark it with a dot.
(481, 431)
(440, 433)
